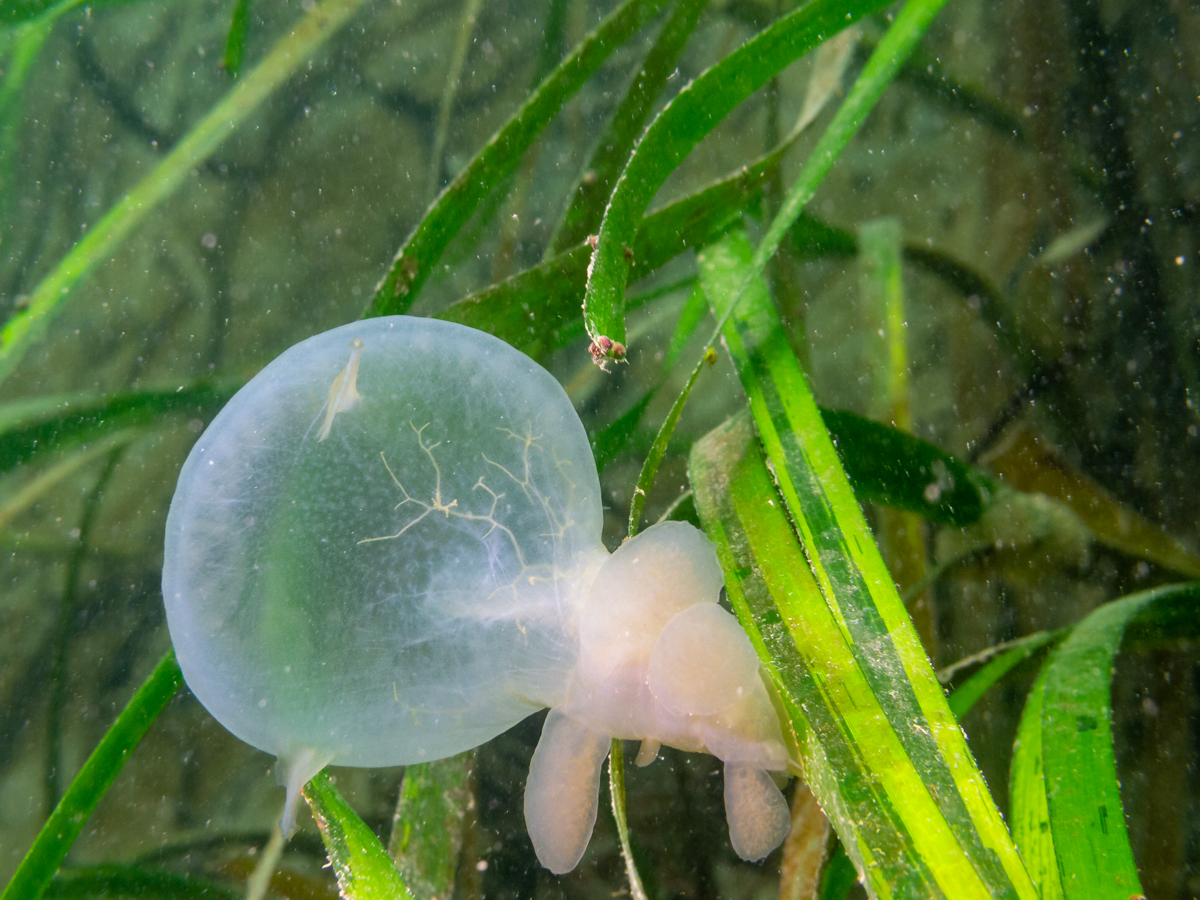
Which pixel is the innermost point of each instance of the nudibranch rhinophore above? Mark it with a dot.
(386, 550)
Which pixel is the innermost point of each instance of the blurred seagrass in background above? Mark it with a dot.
(970, 232)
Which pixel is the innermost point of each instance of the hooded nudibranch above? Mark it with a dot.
(386, 550)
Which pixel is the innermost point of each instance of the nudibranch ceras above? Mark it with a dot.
(662, 662)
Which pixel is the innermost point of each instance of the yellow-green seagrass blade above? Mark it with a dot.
(882, 750)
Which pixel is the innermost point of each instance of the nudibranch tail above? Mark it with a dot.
(343, 393)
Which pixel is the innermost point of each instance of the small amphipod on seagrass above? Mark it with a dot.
(386, 550)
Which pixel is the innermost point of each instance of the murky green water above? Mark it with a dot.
(1033, 170)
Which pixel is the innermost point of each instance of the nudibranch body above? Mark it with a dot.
(386, 550)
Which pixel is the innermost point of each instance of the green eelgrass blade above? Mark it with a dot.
(891, 52)
(881, 68)
(890, 467)
(937, 784)
(854, 758)
(433, 815)
(16, 502)
(616, 760)
(681, 125)
(101, 769)
(1018, 651)
(884, 465)
(14, 13)
(839, 875)
(612, 150)
(658, 450)
(23, 328)
(851, 761)
(363, 868)
(499, 158)
(24, 44)
(689, 321)
(134, 881)
(19, 12)
(235, 44)
(458, 57)
(1030, 810)
(29, 428)
(537, 310)
(611, 440)
(879, 242)
(1069, 821)
(616, 788)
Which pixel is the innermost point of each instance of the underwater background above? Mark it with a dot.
(1030, 175)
